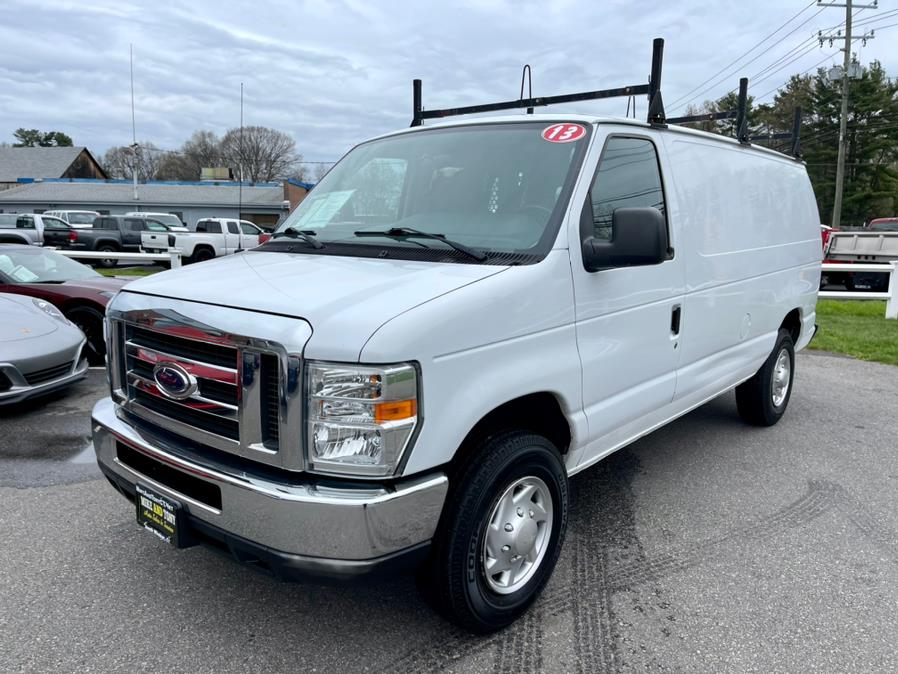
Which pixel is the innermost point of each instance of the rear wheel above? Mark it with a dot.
(90, 321)
(202, 254)
(762, 400)
(501, 533)
(107, 263)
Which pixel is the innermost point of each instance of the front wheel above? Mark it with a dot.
(762, 400)
(90, 321)
(501, 533)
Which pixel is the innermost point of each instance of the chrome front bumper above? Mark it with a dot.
(322, 528)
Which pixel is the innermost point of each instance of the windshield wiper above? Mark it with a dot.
(307, 235)
(407, 232)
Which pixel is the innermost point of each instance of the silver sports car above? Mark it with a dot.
(40, 350)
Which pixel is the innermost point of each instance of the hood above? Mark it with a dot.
(344, 298)
(23, 320)
(107, 284)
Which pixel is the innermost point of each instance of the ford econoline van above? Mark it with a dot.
(456, 320)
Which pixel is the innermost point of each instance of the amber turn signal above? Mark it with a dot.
(395, 410)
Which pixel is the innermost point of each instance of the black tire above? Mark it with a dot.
(454, 579)
(758, 402)
(107, 263)
(202, 254)
(90, 321)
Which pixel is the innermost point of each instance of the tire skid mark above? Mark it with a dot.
(593, 635)
(593, 581)
(812, 504)
(881, 535)
(521, 648)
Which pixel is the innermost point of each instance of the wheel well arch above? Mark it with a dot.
(203, 246)
(81, 303)
(792, 323)
(10, 238)
(539, 413)
(107, 242)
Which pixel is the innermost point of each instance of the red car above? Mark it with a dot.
(883, 225)
(75, 289)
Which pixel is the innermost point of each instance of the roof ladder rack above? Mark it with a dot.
(652, 90)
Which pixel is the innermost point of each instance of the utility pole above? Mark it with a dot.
(843, 118)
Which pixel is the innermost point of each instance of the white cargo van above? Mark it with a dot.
(456, 320)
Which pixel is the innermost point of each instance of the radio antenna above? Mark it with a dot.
(135, 148)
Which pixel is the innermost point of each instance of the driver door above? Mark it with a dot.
(627, 318)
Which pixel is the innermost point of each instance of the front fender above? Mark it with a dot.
(483, 345)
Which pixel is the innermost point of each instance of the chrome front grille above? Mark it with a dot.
(245, 392)
(213, 408)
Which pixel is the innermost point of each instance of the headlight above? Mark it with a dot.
(360, 418)
(50, 310)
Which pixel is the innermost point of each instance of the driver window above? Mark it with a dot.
(628, 177)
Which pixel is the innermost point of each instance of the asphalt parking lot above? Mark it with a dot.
(707, 546)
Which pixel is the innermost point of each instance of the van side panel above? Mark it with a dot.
(750, 241)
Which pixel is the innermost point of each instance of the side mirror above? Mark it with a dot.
(639, 238)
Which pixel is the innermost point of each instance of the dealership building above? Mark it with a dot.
(265, 204)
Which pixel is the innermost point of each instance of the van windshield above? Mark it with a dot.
(495, 188)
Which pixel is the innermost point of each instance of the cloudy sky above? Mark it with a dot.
(333, 73)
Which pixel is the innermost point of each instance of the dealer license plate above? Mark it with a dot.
(159, 515)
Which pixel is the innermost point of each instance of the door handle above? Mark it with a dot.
(675, 314)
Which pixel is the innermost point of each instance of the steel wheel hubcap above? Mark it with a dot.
(782, 375)
(517, 535)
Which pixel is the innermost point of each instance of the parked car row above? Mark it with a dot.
(214, 237)
(135, 231)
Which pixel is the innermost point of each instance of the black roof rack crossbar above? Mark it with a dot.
(787, 135)
(704, 117)
(794, 135)
(656, 108)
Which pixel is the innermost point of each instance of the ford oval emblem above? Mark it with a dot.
(174, 381)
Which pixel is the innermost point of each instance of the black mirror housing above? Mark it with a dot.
(639, 238)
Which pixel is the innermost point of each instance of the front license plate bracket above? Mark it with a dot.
(162, 516)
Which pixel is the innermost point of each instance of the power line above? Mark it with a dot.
(729, 65)
(787, 58)
(866, 22)
(804, 72)
(750, 61)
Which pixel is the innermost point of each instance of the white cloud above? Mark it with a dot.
(334, 73)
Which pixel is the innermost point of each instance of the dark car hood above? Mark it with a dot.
(107, 284)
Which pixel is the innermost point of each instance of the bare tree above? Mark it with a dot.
(121, 162)
(261, 153)
(321, 170)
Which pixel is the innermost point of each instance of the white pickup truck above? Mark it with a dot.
(214, 237)
(874, 246)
